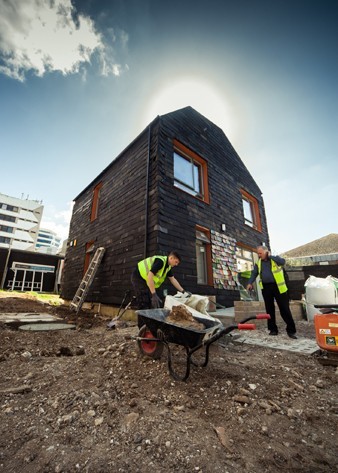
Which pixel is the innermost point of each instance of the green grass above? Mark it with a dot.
(53, 299)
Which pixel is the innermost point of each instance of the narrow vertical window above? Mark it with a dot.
(245, 263)
(95, 202)
(88, 256)
(203, 256)
(251, 211)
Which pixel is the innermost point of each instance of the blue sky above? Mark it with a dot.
(79, 81)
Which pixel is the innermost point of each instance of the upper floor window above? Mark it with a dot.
(5, 228)
(251, 211)
(11, 208)
(190, 172)
(95, 202)
(7, 218)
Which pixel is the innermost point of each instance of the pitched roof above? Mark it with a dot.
(323, 246)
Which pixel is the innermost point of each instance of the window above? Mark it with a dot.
(7, 218)
(4, 228)
(246, 258)
(251, 211)
(88, 256)
(190, 172)
(188, 175)
(95, 202)
(203, 256)
(5, 240)
(11, 208)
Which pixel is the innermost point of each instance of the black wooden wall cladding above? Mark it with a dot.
(142, 213)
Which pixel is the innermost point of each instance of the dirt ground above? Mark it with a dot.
(86, 400)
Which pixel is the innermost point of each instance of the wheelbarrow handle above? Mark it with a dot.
(255, 317)
(263, 316)
(246, 327)
(326, 306)
(242, 325)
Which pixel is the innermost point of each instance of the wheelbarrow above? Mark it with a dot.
(156, 332)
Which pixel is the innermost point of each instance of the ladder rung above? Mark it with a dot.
(87, 279)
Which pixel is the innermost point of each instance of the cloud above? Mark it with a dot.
(57, 220)
(43, 36)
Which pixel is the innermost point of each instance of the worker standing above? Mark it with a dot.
(272, 282)
(150, 274)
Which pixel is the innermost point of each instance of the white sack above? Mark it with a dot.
(196, 304)
(311, 311)
(321, 290)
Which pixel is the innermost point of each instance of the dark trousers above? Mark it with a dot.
(271, 294)
(141, 291)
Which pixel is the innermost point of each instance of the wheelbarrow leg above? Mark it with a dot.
(204, 363)
(189, 361)
(172, 372)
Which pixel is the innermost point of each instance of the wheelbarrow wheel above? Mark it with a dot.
(151, 348)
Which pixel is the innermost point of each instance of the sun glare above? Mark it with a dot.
(203, 97)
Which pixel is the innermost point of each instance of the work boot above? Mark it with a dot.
(292, 335)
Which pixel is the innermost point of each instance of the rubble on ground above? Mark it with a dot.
(86, 400)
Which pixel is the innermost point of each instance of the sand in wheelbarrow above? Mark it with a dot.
(180, 315)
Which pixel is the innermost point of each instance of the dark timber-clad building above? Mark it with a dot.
(179, 185)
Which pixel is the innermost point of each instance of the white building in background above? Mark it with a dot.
(19, 222)
(47, 241)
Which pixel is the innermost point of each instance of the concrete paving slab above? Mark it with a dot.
(46, 327)
(226, 312)
(226, 315)
(27, 317)
(280, 342)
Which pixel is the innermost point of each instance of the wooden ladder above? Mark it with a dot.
(87, 280)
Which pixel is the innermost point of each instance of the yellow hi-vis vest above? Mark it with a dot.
(278, 274)
(145, 265)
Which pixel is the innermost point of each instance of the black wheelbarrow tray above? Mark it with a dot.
(156, 332)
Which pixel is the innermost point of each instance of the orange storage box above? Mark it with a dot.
(327, 331)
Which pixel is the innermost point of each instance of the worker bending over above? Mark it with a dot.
(150, 274)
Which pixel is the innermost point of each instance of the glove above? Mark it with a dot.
(155, 301)
(187, 294)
